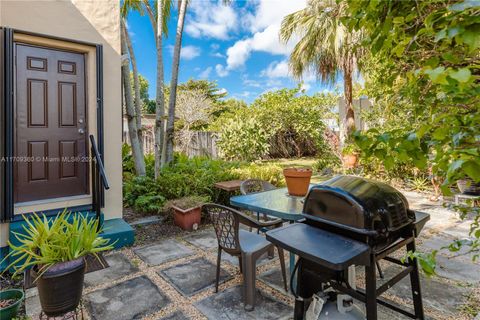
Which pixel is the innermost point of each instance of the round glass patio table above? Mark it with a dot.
(276, 203)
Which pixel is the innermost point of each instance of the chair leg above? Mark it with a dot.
(249, 270)
(258, 219)
(219, 260)
(240, 264)
(282, 266)
(271, 253)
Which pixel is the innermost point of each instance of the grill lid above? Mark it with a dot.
(363, 205)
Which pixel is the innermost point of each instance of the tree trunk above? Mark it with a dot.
(349, 120)
(151, 17)
(137, 153)
(169, 134)
(136, 86)
(160, 108)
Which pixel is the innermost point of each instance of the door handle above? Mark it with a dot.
(81, 131)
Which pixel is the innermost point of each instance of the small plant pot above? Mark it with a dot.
(187, 219)
(349, 160)
(298, 180)
(60, 287)
(468, 186)
(11, 310)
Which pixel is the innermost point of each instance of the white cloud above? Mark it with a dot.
(187, 52)
(305, 86)
(190, 52)
(205, 73)
(211, 19)
(276, 69)
(264, 25)
(238, 54)
(221, 71)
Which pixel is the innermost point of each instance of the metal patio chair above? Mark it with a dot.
(253, 186)
(247, 246)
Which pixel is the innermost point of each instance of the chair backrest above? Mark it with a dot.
(255, 185)
(226, 223)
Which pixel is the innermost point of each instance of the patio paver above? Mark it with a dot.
(204, 239)
(273, 278)
(164, 251)
(127, 300)
(437, 295)
(120, 267)
(228, 304)
(193, 276)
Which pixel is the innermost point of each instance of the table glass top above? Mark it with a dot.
(277, 203)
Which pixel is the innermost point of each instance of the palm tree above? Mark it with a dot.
(325, 47)
(127, 6)
(137, 152)
(169, 133)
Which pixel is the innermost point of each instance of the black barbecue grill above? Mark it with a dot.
(352, 221)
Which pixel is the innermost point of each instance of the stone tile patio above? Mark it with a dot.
(174, 279)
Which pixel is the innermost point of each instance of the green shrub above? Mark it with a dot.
(327, 161)
(280, 124)
(269, 172)
(143, 194)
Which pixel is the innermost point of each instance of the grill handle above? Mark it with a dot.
(370, 233)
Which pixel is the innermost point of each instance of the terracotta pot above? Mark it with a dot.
(298, 180)
(60, 287)
(349, 160)
(187, 219)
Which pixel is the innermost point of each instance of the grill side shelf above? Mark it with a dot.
(328, 249)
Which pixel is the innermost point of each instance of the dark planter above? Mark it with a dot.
(468, 186)
(187, 219)
(11, 311)
(60, 287)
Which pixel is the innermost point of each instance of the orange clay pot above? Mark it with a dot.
(298, 180)
(188, 219)
(350, 160)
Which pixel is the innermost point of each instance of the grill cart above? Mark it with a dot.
(351, 221)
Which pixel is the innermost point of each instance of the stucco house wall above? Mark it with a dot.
(90, 21)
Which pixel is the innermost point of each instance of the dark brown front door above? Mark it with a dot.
(50, 125)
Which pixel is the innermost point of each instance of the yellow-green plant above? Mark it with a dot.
(48, 241)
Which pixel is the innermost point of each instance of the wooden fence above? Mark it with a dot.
(202, 143)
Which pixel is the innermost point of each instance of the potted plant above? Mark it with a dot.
(350, 155)
(10, 301)
(298, 180)
(55, 249)
(187, 211)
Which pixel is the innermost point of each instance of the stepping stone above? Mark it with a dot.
(228, 304)
(193, 276)
(163, 252)
(436, 294)
(145, 221)
(132, 299)
(273, 278)
(203, 239)
(120, 267)
(260, 262)
(177, 315)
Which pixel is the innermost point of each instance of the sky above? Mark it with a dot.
(236, 45)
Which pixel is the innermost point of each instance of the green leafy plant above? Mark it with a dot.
(48, 241)
(426, 260)
(269, 172)
(187, 202)
(420, 184)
